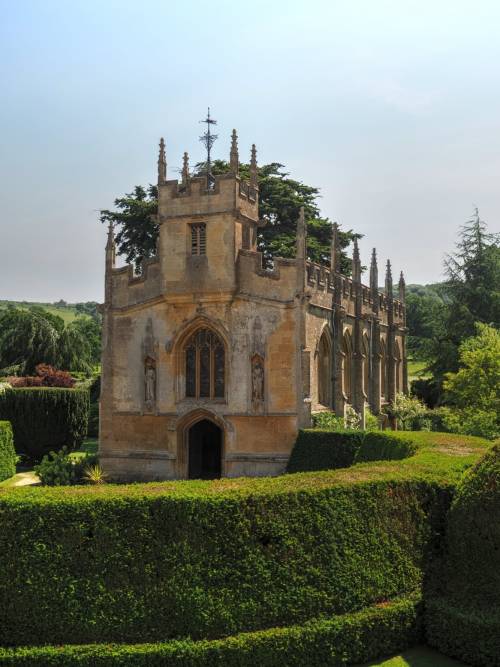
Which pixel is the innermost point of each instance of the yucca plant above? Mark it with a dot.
(94, 474)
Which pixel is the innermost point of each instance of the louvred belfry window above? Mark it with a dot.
(205, 366)
(199, 239)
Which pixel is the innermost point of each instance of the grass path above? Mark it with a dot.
(420, 656)
(28, 478)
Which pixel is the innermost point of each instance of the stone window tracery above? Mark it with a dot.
(205, 365)
(199, 239)
(383, 370)
(324, 371)
(347, 367)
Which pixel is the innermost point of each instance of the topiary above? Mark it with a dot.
(464, 604)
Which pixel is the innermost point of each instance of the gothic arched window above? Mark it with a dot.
(398, 365)
(347, 366)
(205, 365)
(383, 370)
(324, 370)
(366, 366)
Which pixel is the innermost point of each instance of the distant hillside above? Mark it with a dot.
(67, 311)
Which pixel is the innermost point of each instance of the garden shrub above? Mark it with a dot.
(7, 451)
(59, 469)
(327, 642)
(385, 446)
(45, 419)
(138, 563)
(319, 449)
(464, 591)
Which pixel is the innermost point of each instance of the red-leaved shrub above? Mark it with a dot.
(46, 376)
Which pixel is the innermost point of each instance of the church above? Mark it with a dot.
(211, 362)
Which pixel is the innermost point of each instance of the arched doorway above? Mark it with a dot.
(204, 450)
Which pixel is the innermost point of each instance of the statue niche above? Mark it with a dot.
(257, 364)
(149, 356)
(149, 383)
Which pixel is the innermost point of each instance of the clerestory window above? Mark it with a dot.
(199, 239)
(205, 365)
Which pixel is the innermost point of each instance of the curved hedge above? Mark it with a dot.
(464, 604)
(45, 419)
(321, 449)
(7, 451)
(373, 632)
(207, 559)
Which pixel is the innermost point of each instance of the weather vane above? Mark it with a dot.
(207, 140)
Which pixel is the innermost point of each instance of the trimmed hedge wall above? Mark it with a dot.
(123, 565)
(464, 591)
(45, 419)
(352, 638)
(320, 449)
(7, 452)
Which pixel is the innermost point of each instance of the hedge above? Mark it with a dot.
(45, 419)
(81, 566)
(212, 559)
(7, 451)
(321, 449)
(464, 587)
(352, 638)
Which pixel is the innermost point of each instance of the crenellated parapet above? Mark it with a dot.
(129, 288)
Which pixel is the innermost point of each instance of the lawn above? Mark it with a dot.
(416, 369)
(420, 656)
(67, 313)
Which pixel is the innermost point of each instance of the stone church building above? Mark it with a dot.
(211, 362)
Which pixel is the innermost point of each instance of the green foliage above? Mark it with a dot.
(132, 564)
(317, 643)
(135, 224)
(37, 336)
(475, 389)
(280, 199)
(385, 446)
(59, 469)
(93, 423)
(371, 421)
(7, 452)
(321, 449)
(45, 419)
(406, 409)
(464, 613)
(472, 294)
(94, 474)
(317, 449)
(328, 420)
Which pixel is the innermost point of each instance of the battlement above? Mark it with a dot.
(191, 198)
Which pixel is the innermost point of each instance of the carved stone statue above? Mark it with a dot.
(257, 380)
(150, 381)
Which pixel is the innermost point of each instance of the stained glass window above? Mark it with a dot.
(205, 365)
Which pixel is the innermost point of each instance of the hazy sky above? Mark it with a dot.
(391, 108)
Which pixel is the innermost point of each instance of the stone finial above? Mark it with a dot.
(162, 164)
(402, 288)
(356, 263)
(253, 167)
(335, 250)
(185, 170)
(301, 235)
(110, 246)
(388, 281)
(234, 160)
(374, 272)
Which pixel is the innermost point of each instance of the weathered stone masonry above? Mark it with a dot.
(211, 362)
